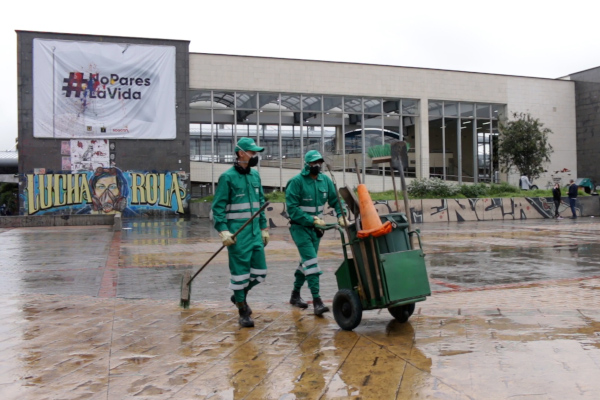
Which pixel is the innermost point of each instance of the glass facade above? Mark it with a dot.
(462, 137)
(288, 125)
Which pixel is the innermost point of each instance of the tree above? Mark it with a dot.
(8, 198)
(524, 145)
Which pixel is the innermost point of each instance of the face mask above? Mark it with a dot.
(315, 169)
(108, 202)
(253, 161)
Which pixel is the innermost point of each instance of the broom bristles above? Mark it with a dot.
(186, 289)
(381, 150)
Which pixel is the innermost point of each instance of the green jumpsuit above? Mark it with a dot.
(305, 197)
(237, 198)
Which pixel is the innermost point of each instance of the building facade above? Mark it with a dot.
(162, 146)
(449, 118)
(587, 104)
(103, 125)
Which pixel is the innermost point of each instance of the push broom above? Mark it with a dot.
(186, 281)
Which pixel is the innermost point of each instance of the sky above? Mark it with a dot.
(527, 38)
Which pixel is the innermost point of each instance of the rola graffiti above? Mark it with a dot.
(105, 191)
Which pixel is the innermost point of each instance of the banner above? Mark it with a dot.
(94, 90)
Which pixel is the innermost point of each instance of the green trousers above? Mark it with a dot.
(307, 242)
(247, 264)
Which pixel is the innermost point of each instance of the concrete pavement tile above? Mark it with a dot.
(494, 332)
(317, 359)
(136, 387)
(417, 383)
(90, 381)
(364, 371)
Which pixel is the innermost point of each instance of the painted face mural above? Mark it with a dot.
(109, 191)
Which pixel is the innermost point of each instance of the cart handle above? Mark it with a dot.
(418, 232)
(326, 227)
(339, 228)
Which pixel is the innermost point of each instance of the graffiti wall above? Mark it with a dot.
(104, 191)
(277, 214)
(458, 210)
(451, 210)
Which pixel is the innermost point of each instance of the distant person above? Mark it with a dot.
(573, 188)
(525, 183)
(556, 195)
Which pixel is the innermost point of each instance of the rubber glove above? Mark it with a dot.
(265, 237)
(319, 223)
(342, 221)
(227, 238)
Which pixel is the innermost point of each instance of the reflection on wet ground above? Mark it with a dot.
(92, 314)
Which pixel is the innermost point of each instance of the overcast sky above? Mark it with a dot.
(527, 37)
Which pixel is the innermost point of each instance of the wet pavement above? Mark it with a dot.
(88, 313)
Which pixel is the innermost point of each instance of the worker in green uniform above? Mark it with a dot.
(305, 197)
(238, 196)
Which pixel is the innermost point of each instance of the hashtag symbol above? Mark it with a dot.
(73, 84)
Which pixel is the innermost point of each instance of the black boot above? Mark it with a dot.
(245, 320)
(232, 298)
(320, 308)
(296, 300)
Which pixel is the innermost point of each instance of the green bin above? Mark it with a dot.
(392, 274)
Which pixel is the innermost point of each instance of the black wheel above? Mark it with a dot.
(402, 313)
(347, 309)
(534, 187)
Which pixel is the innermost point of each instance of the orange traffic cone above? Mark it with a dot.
(371, 222)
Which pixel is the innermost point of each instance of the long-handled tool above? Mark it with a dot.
(361, 290)
(186, 281)
(363, 248)
(394, 153)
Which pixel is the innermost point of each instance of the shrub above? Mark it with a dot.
(275, 197)
(474, 191)
(504, 187)
(434, 187)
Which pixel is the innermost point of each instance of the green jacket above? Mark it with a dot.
(237, 198)
(305, 197)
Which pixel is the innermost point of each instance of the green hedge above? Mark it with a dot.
(436, 188)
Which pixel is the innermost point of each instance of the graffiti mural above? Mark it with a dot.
(277, 215)
(105, 191)
(460, 210)
(448, 210)
(437, 210)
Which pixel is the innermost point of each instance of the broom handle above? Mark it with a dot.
(233, 237)
(405, 195)
(337, 194)
(357, 171)
(395, 190)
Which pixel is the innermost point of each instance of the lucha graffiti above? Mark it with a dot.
(105, 191)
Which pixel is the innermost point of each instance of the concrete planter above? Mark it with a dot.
(200, 209)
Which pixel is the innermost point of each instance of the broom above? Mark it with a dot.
(186, 281)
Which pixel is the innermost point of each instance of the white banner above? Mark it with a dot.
(103, 90)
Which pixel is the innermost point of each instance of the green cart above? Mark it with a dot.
(385, 272)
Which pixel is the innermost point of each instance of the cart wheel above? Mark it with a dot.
(402, 313)
(347, 309)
